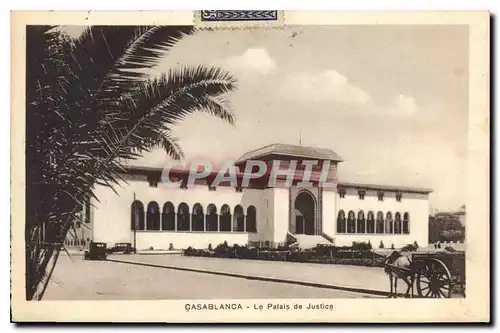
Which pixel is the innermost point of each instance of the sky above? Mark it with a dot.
(392, 101)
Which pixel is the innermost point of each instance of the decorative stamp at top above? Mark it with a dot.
(239, 18)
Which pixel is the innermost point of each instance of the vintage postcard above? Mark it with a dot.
(250, 166)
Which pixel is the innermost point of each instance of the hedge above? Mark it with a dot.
(358, 254)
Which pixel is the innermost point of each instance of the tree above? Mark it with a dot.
(433, 230)
(91, 105)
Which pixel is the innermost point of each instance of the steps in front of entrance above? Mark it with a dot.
(310, 241)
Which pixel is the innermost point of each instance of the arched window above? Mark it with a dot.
(225, 218)
(351, 222)
(198, 218)
(168, 217)
(389, 223)
(211, 219)
(406, 223)
(397, 223)
(238, 219)
(380, 223)
(341, 226)
(183, 220)
(251, 222)
(153, 216)
(370, 222)
(361, 226)
(137, 216)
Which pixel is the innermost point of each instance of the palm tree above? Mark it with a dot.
(90, 106)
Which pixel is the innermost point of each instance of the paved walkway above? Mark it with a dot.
(344, 277)
(79, 279)
(81, 251)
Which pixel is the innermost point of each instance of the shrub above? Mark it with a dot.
(234, 252)
(415, 244)
(323, 250)
(243, 252)
(392, 246)
(222, 250)
(252, 253)
(381, 246)
(170, 246)
(449, 249)
(361, 246)
(189, 251)
(282, 247)
(151, 248)
(346, 261)
(305, 255)
(204, 253)
(409, 248)
(210, 247)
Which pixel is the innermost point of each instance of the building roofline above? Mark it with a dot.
(248, 155)
(449, 213)
(393, 188)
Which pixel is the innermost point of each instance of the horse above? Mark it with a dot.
(398, 266)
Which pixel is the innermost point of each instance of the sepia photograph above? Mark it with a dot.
(214, 166)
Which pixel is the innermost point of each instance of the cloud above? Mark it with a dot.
(255, 60)
(326, 86)
(405, 106)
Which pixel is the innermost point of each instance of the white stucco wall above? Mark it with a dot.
(111, 218)
(112, 215)
(182, 240)
(266, 229)
(281, 211)
(417, 205)
(329, 212)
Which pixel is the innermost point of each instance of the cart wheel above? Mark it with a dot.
(434, 280)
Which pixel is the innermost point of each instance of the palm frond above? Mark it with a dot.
(145, 117)
(178, 88)
(109, 59)
(90, 108)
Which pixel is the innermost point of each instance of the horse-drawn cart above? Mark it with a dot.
(438, 273)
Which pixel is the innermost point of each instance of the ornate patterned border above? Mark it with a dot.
(239, 15)
(239, 19)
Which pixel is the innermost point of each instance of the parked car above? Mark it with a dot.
(96, 251)
(125, 248)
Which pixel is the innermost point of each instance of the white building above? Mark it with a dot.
(200, 215)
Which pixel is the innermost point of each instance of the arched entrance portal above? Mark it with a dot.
(304, 213)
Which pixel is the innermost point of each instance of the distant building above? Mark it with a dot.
(446, 226)
(201, 214)
(452, 216)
